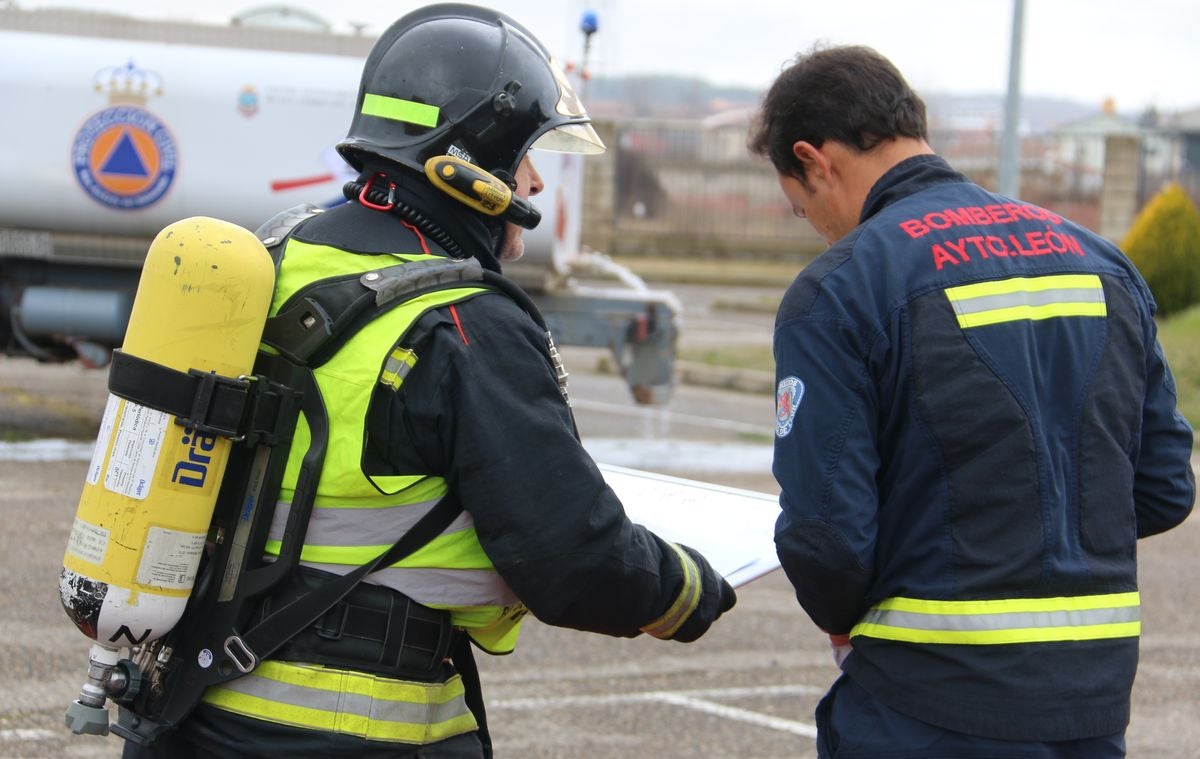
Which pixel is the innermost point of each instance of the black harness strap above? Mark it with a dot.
(245, 409)
(268, 635)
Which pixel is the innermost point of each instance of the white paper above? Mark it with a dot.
(734, 529)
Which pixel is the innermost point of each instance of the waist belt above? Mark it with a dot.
(373, 629)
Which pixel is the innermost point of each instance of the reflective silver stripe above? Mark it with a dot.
(438, 587)
(397, 366)
(1042, 298)
(353, 527)
(1027, 298)
(685, 603)
(1002, 621)
(348, 703)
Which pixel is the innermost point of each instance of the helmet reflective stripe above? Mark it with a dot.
(1027, 298)
(400, 110)
(353, 703)
(1000, 621)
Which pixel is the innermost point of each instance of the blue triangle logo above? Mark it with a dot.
(124, 159)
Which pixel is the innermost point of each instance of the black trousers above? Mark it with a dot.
(211, 733)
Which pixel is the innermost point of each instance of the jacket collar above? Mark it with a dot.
(910, 176)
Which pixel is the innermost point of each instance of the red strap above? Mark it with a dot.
(421, 237)
(457, 323)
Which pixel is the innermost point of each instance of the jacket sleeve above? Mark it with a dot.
(1164, 486)
(826, 462)
(484, 409)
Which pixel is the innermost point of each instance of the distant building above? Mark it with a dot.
(1077, 153)
(1184, 128)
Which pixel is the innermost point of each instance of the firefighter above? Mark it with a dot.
(975, 425)
(453, 394)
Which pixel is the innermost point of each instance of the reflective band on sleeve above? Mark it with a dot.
(1027, 298)
(685, 603)
(1017, 620)
(397, 366)
(352, 703)
(396, 109)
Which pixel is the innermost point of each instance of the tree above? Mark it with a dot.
(1164, 244)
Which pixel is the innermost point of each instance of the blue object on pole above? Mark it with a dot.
(589, 23)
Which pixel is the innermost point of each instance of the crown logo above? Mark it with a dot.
(128, 84)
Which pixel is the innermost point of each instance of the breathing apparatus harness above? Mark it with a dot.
(242, 610)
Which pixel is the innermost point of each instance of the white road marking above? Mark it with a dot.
(26, 734)
(742, 715)
(49, 449)
(766, 429)
(689, 699)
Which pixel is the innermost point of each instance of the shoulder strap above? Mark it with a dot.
(318, 320)
(276, 229)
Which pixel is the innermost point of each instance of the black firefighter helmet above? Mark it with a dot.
(468, 82)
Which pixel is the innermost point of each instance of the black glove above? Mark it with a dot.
(716, 598)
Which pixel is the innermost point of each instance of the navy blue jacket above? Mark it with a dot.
(973, 406)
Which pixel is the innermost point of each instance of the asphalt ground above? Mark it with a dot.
(745, 690)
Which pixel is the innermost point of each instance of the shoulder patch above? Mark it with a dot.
(787, 399)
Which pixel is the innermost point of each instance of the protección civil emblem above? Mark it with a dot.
(123, 156)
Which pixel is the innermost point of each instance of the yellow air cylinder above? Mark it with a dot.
(150, 490)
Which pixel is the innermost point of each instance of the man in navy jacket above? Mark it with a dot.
(975, 424)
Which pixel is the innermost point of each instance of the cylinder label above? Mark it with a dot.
(88, 541)
(136, 450)
(106, 428)
(170, 558)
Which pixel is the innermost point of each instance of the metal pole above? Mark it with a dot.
(1008, 177)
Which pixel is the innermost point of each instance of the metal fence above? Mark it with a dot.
(688, 189)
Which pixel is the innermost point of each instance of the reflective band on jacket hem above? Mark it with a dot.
(685, 603)
(353, 703)
(1017, 620)
(1031, 298)
(396, 109)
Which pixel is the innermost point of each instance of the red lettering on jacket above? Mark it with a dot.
(915, 228)
(940, 256)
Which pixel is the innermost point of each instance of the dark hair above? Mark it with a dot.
(852, 95)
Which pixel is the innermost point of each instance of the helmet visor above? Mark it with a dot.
(570, 138)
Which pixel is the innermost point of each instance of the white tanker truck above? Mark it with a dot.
(114, 128)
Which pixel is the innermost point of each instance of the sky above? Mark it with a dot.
(1139, 53)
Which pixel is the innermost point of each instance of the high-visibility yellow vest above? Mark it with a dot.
(357, 516)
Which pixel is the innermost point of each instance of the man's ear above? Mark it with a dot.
(815, 162)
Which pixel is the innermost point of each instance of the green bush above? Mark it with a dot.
(1180, 338)
(1164, 244)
